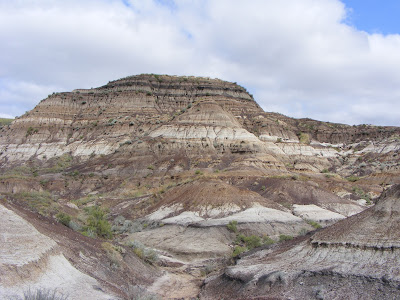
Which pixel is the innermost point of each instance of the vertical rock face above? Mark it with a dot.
(356, 258)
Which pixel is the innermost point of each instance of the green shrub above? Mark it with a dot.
(144, 253)
(63, 218)
(97, 223)
(237, 250)
(352, 178)
(266, 240)
(314, 224)
(198, 172)
(304, 138)
(40, 202)
(252, 241)
(284, 237)
(232, 226)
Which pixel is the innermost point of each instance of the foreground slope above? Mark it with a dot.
(36, 254)
(356, 258)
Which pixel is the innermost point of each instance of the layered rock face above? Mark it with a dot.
(199, 114)
(122, 109)
(356, 258)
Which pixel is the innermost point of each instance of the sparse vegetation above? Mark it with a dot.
(237, 250)
(232, 226)
(245, 243)
(31, 131)
(114, 254)
(284, 237)
(140, 293)
(362, 194)
(304, 138)
(63, 218)
(266, 240)
(43, 294)
(352, 178)
(314, 224)
(5, 122)
(40, 202)
(96, 223)
(141, 251)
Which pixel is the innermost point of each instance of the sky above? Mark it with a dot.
(329, 60)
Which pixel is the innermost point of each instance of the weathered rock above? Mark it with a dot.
(353, 259)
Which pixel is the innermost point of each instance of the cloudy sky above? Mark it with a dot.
(329, 60)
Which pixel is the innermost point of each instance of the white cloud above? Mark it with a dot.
(297, 57)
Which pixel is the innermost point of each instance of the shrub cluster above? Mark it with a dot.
(96, 223)
(141, 251)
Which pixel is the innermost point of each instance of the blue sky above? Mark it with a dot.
(324, 59)
(373, 16)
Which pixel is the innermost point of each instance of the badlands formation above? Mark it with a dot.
(169, 187)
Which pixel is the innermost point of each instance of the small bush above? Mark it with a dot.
(304, 138)
(266, 240)
(43, 294)
(303, 231)
(237, 250)
(63, 218)
(147, 254)
(252, 241)
(140, 293)
(352, 178)
(232, 226)
(314, 224)
(96, 223)
(284, 237)
(198, 172)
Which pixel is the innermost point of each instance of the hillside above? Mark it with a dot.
(177, 175)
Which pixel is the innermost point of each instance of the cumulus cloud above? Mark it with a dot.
(298, 57)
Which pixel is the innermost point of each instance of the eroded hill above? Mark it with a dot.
(183, 173)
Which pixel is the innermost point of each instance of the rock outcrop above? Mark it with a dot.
(357, 258)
